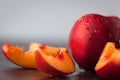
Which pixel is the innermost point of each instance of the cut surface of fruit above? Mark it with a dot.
(19, 57)
(34, 46)
(54, 61)
(108, 65)
(106, 55)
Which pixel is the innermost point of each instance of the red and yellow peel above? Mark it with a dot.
(57, 61)
(108, 65)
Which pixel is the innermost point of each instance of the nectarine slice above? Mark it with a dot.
(19, 57)
(54, 61)
(108, 65)
(106, 55)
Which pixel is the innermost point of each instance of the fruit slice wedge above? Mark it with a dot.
(19, 57)
(108, 65)
(54, 61)
(106, 55)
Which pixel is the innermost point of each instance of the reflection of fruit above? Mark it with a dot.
(108, 66)
(87, 39)
(54, 61)
(17, 55)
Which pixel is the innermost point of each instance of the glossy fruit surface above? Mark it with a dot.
(87, 39)
(114, 27)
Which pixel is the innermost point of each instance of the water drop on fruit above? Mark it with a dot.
(87, 28)
(97, 31)
(90, 37)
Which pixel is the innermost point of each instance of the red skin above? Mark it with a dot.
(5, 49)
(87, 39)
(115, 27)
(108, 65)
(41, 63)
(110, 71)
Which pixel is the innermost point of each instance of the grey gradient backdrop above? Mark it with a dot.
(47, 21)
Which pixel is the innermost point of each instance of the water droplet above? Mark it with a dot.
(97, 31)
(110, 35)
(90, 36)
(87, 28)
(87, 20)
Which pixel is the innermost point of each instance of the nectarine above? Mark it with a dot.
(108, 65)
(87, 39)
(17, 55)
(54, 61)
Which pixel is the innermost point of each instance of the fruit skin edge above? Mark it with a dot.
(61, 56)
(108, 65)
(84, 57)
(17, 56)
(49, 70)
(7, 48)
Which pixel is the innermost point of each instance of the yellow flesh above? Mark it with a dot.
(116, 57)
(34, 46)
(107, 55)
(48, 50)
(21, 58)
(65, 64)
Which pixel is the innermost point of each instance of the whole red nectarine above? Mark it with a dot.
(87, 39)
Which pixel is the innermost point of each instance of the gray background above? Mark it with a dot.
(47, 21)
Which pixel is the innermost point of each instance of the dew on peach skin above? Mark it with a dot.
(87, 28)
(90, 37)
(110, 35)
(87, 20)
(97, 31)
